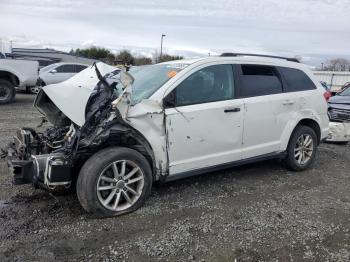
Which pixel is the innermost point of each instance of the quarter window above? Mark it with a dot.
(210, 84)
(296, 80)
(258, 80)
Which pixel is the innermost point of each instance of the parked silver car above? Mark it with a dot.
(59, 72)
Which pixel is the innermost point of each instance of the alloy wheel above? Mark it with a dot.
(120, 185)
(304, 149)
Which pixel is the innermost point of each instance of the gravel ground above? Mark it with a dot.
(259, 212)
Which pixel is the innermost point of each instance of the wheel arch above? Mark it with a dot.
(292, 125)
(124, 136)
(144, 148)
(312, 124)
(6, 75)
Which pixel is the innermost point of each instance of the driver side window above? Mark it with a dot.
(210, 84)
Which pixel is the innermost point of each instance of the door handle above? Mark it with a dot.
(232, 110)
(288, 102)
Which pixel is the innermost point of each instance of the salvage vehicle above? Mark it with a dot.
(339, 115)
(115, 133)
(16, 74)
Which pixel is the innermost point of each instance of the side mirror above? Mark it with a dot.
(53, 71)
(169, 100)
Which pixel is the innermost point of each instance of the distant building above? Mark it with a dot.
(335, 80)
(48, 56)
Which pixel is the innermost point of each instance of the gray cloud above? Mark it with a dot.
(310, 28)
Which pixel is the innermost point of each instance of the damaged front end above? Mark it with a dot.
(339, 116)
(84, 121)
(31, 157)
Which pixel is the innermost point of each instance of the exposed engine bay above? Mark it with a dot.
(50, 159)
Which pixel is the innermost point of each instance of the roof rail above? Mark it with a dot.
(259, 55)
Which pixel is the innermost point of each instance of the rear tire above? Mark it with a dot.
(301, 149)
(7, 92)
(114, 181)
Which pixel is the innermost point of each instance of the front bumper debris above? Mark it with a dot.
(22, 170)
(339, 132)
(49, 170)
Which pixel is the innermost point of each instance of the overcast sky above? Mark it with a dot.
(313, 29)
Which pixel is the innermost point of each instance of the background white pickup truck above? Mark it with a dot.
(16, 74)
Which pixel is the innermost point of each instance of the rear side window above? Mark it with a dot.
(259, 80)
(65, 69)
(296, 80)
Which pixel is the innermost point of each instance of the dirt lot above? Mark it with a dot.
(257, 212)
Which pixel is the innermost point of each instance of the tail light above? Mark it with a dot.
(327, 95)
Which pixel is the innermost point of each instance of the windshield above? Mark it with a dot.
(346, 92)
(148, 79)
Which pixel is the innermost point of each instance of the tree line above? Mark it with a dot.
(336, 64)
(122, 57)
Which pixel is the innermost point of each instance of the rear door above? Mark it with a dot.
(302, 89)
(267, 109)
(204, 121)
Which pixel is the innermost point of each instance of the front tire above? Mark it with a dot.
(301, 149)
(114, 181)
(7, 92)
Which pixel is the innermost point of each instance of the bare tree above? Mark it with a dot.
(141, 60)
(337, 64)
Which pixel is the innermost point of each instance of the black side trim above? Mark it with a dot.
(201, 171)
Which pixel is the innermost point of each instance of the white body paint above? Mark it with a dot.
(25, 71)
(202, 135)
(72, 95)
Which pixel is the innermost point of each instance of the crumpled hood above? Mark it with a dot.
(71, 96)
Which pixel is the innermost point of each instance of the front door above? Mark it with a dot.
(204, 121)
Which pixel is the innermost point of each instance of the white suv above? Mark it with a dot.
(118, 134)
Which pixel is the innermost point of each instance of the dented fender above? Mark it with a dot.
(148, 118)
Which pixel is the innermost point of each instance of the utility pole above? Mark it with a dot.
(161, 47)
